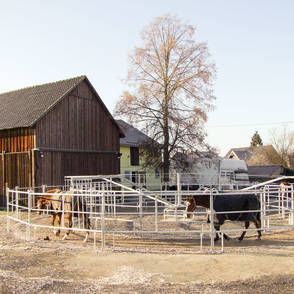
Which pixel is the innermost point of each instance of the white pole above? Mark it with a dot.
(62, 221)
(179, 200)
(279, 199)
(262, 210)
(28, 228)
(201, 238)
(16, 201)
(141, 209)
(7, 207)
(103, 222)
(114, 203)
(156, 214)
(94, 245)
(292, 206)
(222, 239)
(212, 230)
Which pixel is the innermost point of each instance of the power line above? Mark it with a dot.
(251, 125)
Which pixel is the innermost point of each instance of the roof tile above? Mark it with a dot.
(23, 107)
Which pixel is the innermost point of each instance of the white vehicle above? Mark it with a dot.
(221, 173)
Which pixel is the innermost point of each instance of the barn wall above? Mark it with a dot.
(17, 140)
(76, 137)
(78, 122)
(52, 167)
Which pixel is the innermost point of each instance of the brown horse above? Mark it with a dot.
(247, 208)
(62, 203)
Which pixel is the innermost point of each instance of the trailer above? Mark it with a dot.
(221, 173)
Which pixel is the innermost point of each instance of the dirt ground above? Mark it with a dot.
(56, 266)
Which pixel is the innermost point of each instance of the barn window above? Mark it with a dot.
(134, 156)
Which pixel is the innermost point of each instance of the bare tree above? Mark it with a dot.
(283, 142)
(170, 87)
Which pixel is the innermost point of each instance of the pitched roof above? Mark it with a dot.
(242, 154)
(22, 108)
(256, 155)
(133, 137)
(269, 171)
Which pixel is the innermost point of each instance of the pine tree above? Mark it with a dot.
(256, 140)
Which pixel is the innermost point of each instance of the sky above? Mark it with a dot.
(251, 43)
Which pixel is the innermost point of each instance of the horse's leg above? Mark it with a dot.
(59, 223)
(69, 220)
(53, 217)
(87, 226)
(246, 226)
(220, 221)
(216, 227)
(257, 224)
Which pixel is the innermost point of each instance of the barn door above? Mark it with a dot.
(15, 170)
(18, 169)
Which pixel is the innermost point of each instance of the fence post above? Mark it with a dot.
(179, 200)
(44, 188)
(16, 201)
(212, 229)
(292, 207)
(114, 203)
(7, 207)
(141, 209)
(2, 175)
(262, 201)
(156, 213)
(103, 222)
(28, 226)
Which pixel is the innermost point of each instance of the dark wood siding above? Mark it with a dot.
(17, 140)
(52, 167)
(78, 122)
(76, 137)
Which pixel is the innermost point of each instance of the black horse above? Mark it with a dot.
(229, 203)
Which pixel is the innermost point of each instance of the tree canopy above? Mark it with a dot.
(170, 87)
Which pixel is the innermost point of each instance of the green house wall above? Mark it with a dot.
(153, 180)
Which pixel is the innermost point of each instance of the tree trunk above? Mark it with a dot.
(166, 149)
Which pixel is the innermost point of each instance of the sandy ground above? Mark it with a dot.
(56, 266)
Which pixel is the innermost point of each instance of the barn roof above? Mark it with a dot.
(24, 107)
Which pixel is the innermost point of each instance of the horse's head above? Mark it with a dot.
(44, 200)
(190, 205)
(41, 202)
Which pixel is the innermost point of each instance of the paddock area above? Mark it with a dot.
(126, 219)
(56, 266)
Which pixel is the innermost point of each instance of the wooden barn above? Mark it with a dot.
(54, 130)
